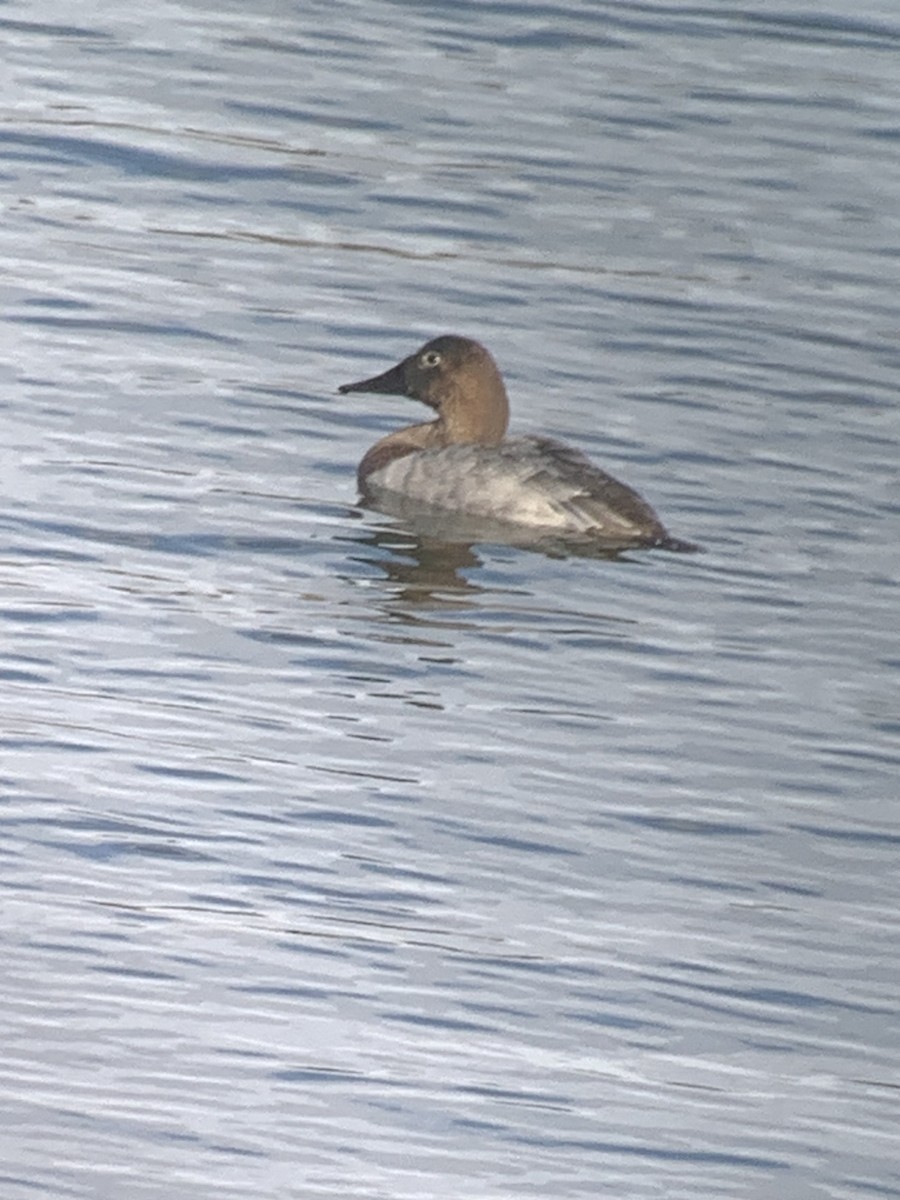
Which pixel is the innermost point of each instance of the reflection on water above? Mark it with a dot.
(425, 570)
(439, 552)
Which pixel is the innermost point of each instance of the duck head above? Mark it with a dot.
(457, 378)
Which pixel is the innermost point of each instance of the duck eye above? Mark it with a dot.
(431, 359)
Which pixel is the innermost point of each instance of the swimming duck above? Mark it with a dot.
(462, 463)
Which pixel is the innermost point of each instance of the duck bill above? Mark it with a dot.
(392, 382)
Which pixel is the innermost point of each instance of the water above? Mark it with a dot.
(338, 862)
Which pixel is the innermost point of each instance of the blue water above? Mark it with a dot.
(341, 862)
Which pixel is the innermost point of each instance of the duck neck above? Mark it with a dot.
(473, 413)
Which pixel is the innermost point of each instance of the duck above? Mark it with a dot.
(462, 464)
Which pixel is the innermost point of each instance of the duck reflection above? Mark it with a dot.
(430, 559)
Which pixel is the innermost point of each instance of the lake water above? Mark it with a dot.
(340, 862)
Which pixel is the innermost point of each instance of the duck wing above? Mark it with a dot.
(593, 502)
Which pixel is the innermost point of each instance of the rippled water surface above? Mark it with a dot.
(341, 861)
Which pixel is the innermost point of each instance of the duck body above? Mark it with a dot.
(534, 481)
(461, 463)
